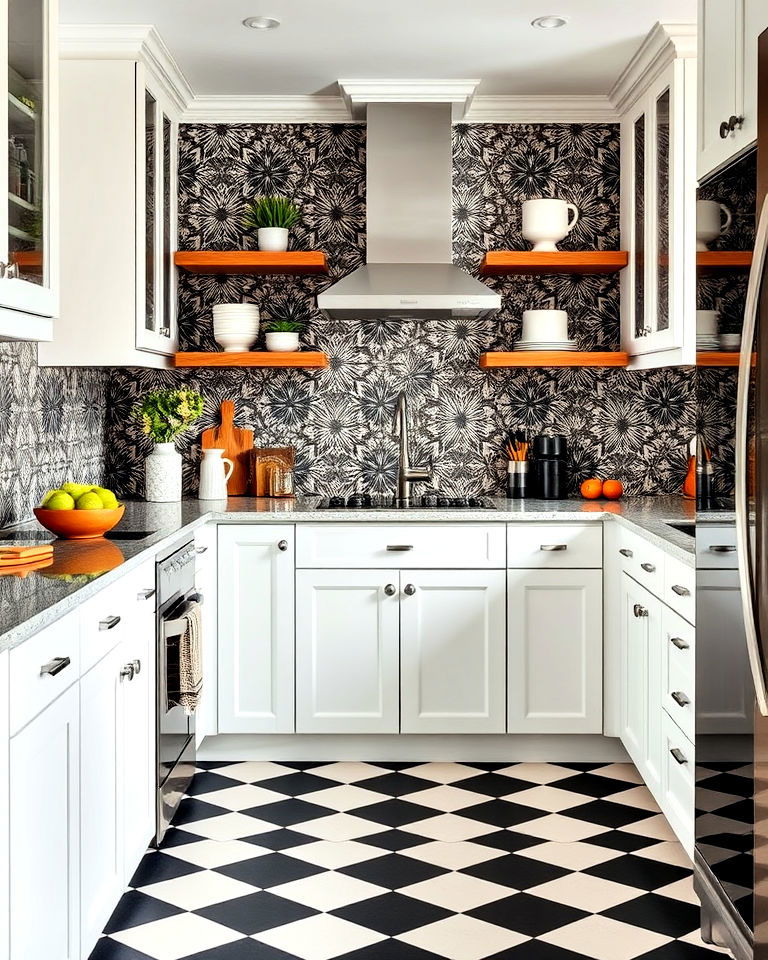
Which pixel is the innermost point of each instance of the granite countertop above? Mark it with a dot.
(29, 603)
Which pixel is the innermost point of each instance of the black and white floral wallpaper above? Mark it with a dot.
(631, 425)
(52, 428)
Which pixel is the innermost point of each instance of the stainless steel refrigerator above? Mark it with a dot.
(731, 854)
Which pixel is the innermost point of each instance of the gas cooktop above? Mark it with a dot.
(364, 501)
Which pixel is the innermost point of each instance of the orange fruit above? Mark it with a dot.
(592, 489)
(612, 489)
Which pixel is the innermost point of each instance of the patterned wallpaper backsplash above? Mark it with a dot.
(52, 428)
(631, 425)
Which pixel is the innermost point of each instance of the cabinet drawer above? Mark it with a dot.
(680, 588)
(42, 668)
(532, 545)
(642, 561)
(678, 782)
(716, 546)
(387, 546)
(107, 619)
(679, 671)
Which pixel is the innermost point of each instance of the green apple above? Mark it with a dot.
(75, 490)
(59, 500)
(108, 499)
(89, 501)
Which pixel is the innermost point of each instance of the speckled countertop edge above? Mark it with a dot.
(47, 601)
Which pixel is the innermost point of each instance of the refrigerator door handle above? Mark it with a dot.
(742, 423)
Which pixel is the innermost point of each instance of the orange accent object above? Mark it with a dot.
(263, 459)
(309, 359)
(689, 484)
(79, 524)
(79, 558)
(712, 261)
(237, 443)
(22, 570)
(251, 261)
(592, 489)
(498, 263)
(13, 556)
(612, 489)
(497, 359)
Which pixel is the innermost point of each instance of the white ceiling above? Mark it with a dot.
(322, 40)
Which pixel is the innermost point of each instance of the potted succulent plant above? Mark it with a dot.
(272, 218)
(283, 335)
(163, 415)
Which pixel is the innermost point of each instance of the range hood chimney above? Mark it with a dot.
(409, 272)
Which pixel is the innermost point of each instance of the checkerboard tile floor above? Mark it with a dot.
(384, 861)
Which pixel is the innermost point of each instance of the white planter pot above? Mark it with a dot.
(163, 474)
(273, 238)
(282, 342)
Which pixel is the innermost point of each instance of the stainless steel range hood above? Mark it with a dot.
(409, 273)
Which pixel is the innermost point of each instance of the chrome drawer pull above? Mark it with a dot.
(626, 553)
(399, 547)
(639, 610)
(409, 589)
(722, 548)
(282, 545)
(390, 589)
(680, 698)
(109, 623)
(553, 546)
(678, 755)
(54, 666)
(146, 594)
(648, 567)
(679, 643)
(680, 591)
(199, 550)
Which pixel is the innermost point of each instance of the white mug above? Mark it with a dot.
(709, 222)
(707, 323)
(213, 475)
(545, 222)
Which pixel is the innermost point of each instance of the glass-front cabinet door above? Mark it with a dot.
(156, 162)
(28, 262)
(658, 229)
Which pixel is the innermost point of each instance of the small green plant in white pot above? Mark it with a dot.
(282, 336)
(272, 218)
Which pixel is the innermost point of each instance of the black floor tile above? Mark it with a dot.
(208, 782)
(389, 950)
(157, 866)
(107, 949)
(495, 784)
(393, 871)
(620, 840)
(502, 813)
(269, 870)
(296, 784)
(394, 840)
(607, 814)
(652, 912)
(593, 785)
(536, 950)
(528, 915)
(242, 950)
(392, 914)
(136, 908)
(518, 872)
(638, 872)
(285, 813)
(394, 813)
(280, 839)
(678, 950)
(257, 912)
(395, 784)
(192, 809)
(508, 840)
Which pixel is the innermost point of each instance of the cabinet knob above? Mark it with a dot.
(409, 589)
(680, 698)
(639, 610)
(648, 567)
(127, 671)
(680, 591)
(626, 553)
(54, 666)
(679, 643)
(282, 545)
(390, 589)
(136, 664)
(109, 623)
(724, 130)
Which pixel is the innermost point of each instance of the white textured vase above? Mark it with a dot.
(163, 474)
(273, 238)
(282, 341)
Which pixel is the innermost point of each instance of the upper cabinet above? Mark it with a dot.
(29, 221)
(727, 121)
(118, 217)
(658, 287)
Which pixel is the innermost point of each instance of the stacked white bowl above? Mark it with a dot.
(235, 326)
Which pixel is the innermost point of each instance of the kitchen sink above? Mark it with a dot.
(687, 528)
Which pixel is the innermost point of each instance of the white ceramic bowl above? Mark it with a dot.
(234, 342)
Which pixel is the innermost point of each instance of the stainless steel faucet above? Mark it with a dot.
(406, 474)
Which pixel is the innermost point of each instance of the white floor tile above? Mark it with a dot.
(349, 771)
(462, 938)
(328, 891)
(656, 828)
(559, 828)
(570, 856)
(176, 937)
(540, 773)
(443, 772)
(251, 771)
(547, 798)
(229, 826)
(453, 856)
(457, 891)
(667, 851)
(446, 798)
(620, 771)
(344, 798)
(241, 797)
(679, 890)
(605, 939)
(640, 797)
(450, 827)
(333, 854)
(198, 890)
(339, 826)
(215, 853)
(319, 938)
(584, 892)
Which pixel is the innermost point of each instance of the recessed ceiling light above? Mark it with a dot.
(261, 23)
(549, 23)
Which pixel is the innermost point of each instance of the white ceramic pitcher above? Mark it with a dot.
(214, 475)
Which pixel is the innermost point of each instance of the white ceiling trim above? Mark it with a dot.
(592, 109)
(357, 94)
(664, 43)
(266, 110)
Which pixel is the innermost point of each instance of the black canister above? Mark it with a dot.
(550, 457)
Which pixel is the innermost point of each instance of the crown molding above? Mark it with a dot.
(127, 41)
(591, 109)
(357, 94)
(266, 110)
(665, 42)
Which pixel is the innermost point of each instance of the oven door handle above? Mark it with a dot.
(176, 626)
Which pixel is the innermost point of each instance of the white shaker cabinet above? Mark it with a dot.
(256, 628)
(44, 844)
(555, 644)
(4, 798)
(29, 221)
(452, 642)
(206, 582)
(347, 658)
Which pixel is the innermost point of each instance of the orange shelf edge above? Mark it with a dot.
(251, 261)
(713, 261)
(253, 358)
(504, 262)
(719, 358)
(496, 360)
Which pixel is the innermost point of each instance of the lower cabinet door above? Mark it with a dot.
(102, 797)
(452, 642)
(555, 660)
(255, 636)
(44, 843)
(347, 660)
(678, 782)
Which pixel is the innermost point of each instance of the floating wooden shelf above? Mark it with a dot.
(253, 358)
(715, 261)
(30, 261)
(719, 358)
(552, 358)
(498, 263)
(251, 261)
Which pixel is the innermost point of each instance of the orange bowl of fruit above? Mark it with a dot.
(77, 511)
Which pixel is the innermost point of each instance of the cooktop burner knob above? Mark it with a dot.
(336, 501)
(357, 500)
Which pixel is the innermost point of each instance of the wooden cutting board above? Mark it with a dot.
(236, 443)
